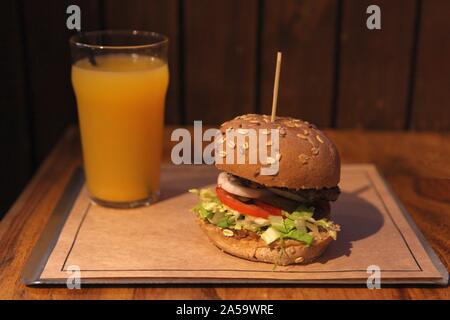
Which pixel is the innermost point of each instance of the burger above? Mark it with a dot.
(282, 218)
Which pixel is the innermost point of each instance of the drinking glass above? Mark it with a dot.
(120, 79)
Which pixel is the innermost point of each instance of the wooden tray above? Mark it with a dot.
(162, 244)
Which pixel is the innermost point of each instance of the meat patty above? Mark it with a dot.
(303, 195)
(313, 195)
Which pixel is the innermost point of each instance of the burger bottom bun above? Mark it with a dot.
(255, 249)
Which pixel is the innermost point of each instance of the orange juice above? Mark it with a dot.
(121, 108)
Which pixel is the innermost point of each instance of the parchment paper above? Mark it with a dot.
(161, 243)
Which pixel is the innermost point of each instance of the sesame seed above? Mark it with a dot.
(228, 233)
(303, 158)
(289, 124)
(315, 151)
(319, 138)
(301, 136)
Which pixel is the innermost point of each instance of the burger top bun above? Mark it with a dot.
(308, 159)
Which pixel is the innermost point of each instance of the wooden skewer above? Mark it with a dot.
(275, 87)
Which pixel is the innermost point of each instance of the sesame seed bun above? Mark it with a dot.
(308, 159)
(255, 249)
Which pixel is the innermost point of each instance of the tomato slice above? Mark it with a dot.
(274, 211)
(245, 208)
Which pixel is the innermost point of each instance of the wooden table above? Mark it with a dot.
(416, 164)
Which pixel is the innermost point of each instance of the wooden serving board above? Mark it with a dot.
(161, 243)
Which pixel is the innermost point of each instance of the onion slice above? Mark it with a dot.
(232, 185)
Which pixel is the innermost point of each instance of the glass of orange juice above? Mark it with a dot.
(120, 79)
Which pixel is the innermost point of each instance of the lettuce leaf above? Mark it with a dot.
(202, 212)
(299, 236)
(297, 225)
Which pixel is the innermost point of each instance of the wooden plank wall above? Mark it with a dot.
(305, 31)
(375, 65)
(335, 73)
(431, 95)
(16, 160)
(219, 58)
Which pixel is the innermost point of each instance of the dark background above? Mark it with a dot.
(336, 73)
